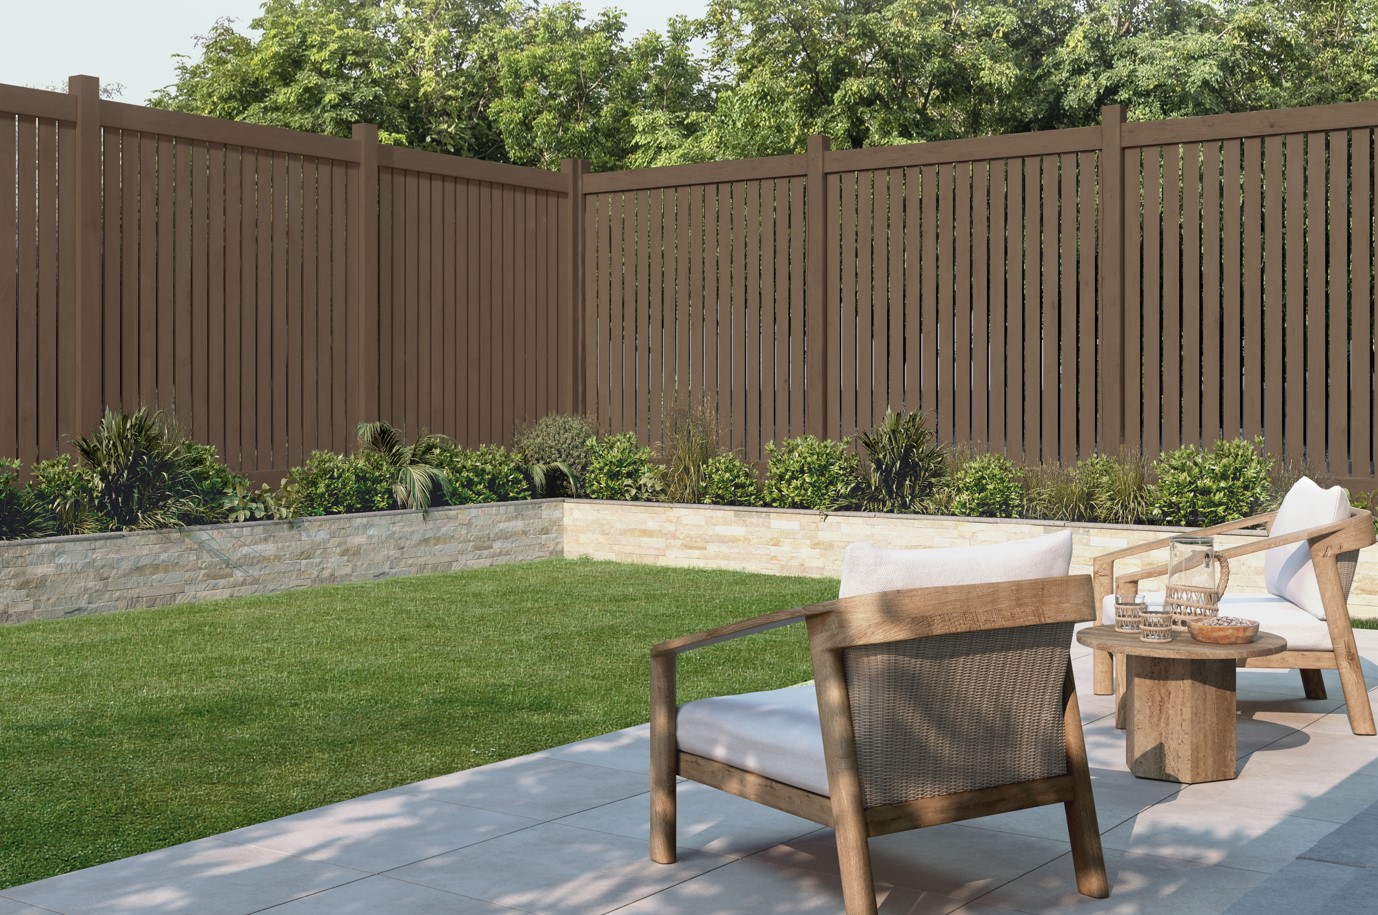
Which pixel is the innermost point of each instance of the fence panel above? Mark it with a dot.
(1252, 312)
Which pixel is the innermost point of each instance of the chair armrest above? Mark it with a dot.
(1266, 543)
(1103, 566)
(740, 628)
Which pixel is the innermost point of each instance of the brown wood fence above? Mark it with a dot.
(1046, 295)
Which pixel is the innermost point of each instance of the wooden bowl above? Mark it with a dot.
(1223, 630)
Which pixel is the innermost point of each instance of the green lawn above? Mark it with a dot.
(134, 731)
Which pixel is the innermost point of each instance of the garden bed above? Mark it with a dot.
(67, 576)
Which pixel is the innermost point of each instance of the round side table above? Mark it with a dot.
(1181, 702)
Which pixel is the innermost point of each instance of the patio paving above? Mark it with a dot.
(565, 831)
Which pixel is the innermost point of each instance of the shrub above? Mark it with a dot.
(22, 512)
(417, 481)
(1199, 488)
(907, 464)
(490, 473)
(806, 472)
(619, 468)
(691, 441)
(146, 476)
(987, 486)
(244, 503)
(556, 449)
(68, 492)
(215, 483)
(729, 480)
(333, 484)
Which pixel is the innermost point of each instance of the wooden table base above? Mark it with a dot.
(1181, 719)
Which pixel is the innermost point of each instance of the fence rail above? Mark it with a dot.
(1047, 295)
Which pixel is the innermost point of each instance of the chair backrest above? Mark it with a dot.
(938, 715)
(962, 710)
(1288, 572)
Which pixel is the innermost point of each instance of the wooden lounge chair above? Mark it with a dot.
(931, 705)
(1313, 546)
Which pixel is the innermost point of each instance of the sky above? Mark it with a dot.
(133, 41)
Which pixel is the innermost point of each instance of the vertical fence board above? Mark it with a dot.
(1336, 397)
(1271, 368)
(999, 357)
(1191, 294)
(1361, 351)
(980, 317)
(797, 319)
(752, 285)
(1231, 368)
(962, 312)
(1252, 311)
(1316, 199)
(1033, 329)
(1150, 300)
(1064, 373)
(1173, 340)
(1211, 386)
(181, 297)
(262, 338)
(1014, 312)
(10, 302)
(1088, 414)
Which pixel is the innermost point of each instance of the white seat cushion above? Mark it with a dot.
(867, 569)
(1287, 570)
(773, 733)
(776, 733)
(1302, 631)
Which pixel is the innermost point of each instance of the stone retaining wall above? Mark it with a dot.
(787, 542)
(98, 573)
(69, 576)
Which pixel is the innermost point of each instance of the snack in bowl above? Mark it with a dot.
(1223, 630)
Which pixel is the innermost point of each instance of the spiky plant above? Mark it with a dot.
(417, 480)
(144, 473)
(907, 464)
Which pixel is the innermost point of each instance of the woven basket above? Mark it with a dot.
(1186, 602)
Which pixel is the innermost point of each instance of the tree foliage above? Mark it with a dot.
(533, 83)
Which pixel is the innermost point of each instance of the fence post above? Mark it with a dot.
(1111, 385)
(573, 389)
(363, 322)
(816, 420)
(80, 406)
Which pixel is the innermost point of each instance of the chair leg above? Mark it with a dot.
(664, 760)
(1313, 683)
(854, 862)
(1083, 829)
(1104, 680)
(1355, 690)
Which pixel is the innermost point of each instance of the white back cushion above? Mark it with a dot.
(1287, 570)
(867, 569)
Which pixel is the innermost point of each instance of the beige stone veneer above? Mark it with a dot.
(68, 576)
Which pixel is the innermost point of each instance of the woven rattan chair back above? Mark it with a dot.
(939, 715)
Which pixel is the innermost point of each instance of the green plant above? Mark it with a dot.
(619, 468)
(334, 484)
(1055, 493)
(691, 441)
(244, 503)
(214, 483)
(22, 512)
(1116, 487)
(987, 486)
(417, 480)
(807, 472)
(145, 474)
(906, 464)
(729, 480)
(490, 473)
(556, 452)
(69, 493)
(1197, 488)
